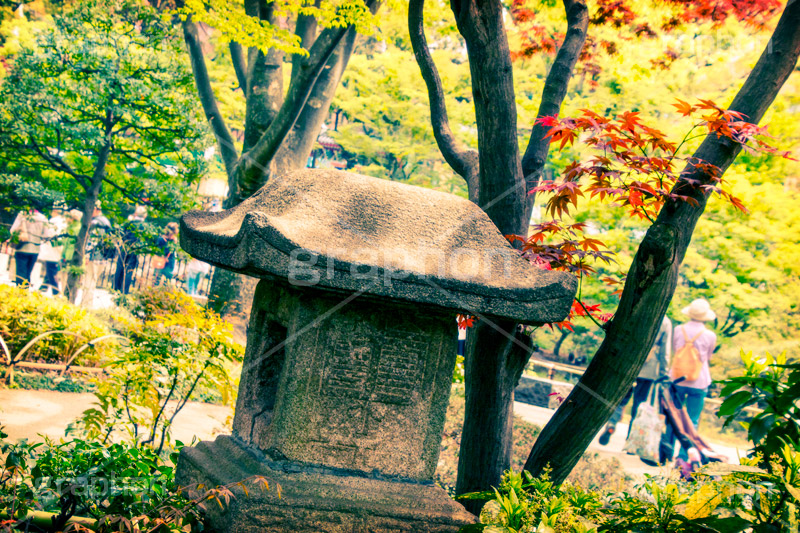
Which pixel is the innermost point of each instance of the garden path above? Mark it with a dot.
(30, 413)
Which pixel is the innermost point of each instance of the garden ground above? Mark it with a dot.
(29, 413)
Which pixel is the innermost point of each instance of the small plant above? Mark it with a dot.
(772, 384)
(176, 346)
(91, 486)
(524, 504)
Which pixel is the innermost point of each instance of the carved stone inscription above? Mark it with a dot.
(372, 401)
(387, 375)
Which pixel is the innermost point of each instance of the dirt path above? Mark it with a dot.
(631, 463)
(31, 413)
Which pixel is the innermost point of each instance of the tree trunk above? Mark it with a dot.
(299, 143)
(557, 348)
(497, 354)
(493, 365)
(653, 275)
(75, 273)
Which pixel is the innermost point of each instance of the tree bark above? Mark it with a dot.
(239, 65)
(279, 132)
(75, 274)
(264, 82)
(502, 189)
(653, 276)
(496, 356)
(553, 94)
(227, 149)
(299, 142)
(461, 159)
(252, 169)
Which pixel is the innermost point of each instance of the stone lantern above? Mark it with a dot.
(351, 347)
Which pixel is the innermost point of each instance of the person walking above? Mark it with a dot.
(52, 250)
(27, 232)
(692, 393)
(195, 270)
(168, 243)
(656, 366)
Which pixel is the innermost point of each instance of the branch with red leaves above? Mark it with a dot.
(634, 167)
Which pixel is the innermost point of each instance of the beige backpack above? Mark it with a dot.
(686, 362)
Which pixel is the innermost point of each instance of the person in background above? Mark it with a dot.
(195, 270)
(27, 231)
(168, 243)
(128, 258)
(52, 250)
(692, 394)
(656, 366)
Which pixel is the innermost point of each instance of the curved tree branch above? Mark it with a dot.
(464, 161)
(223, 136)
(554, 92)
(253, 166)
(239, 64)
(653, 277)
(306, 28)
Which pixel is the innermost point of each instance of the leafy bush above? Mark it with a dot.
(108, 488)
(25, 315)
(176, 346)
(762, 494)
(773, 385)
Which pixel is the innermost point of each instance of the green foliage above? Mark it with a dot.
(114, 487)
(526, 504)
(385, 120)
(234, 24)
(25, 315)
(175, 347)
(49, 381)
(774, 386)
(762, 494)
(108, 75)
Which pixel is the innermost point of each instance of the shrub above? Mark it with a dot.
(762, 494)
(24, 315)
(176, 347)
(106, 487)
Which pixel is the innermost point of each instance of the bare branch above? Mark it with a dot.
(464, 161)
(239, 64)
(224, 138)
(555, 90)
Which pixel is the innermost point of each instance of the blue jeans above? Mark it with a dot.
(693, 399)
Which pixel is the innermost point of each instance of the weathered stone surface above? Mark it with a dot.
(364, 388)
(303, 499)
(352, 233)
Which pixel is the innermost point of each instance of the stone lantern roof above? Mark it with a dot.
(344, 232)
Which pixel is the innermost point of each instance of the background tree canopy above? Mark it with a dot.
(101, 107)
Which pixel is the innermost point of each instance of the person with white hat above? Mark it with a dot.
(693, 393)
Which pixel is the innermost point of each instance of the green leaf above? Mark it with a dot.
(732, 524)
(733, 403)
